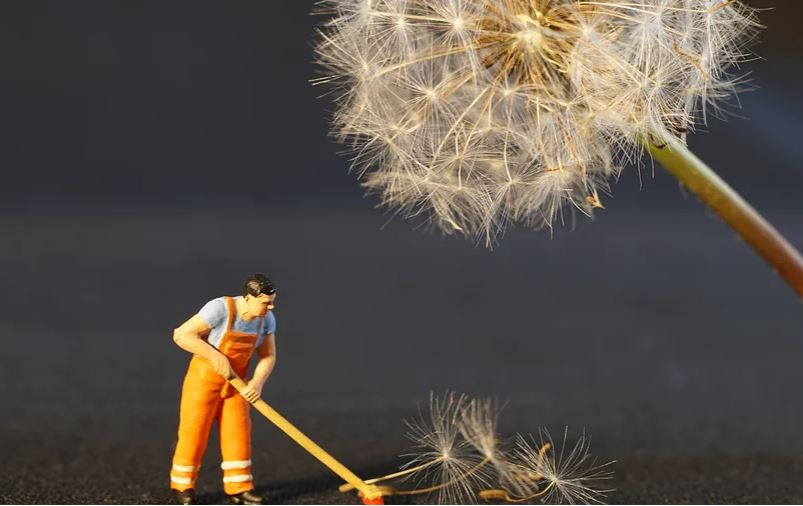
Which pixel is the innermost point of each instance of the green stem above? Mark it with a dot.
(713, 191)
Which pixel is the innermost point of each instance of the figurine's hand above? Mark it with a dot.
(252, 391)
(221, 365)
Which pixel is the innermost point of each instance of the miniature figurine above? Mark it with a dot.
(222, 337)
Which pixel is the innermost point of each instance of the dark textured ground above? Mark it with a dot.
(638, 327)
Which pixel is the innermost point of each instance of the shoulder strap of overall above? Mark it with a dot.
(260, 326)
(232, 313)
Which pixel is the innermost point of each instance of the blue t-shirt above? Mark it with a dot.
(216, 314)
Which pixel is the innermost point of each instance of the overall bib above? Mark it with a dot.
(205, 397)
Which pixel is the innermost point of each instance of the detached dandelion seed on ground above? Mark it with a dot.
(459, 458)
(482, 114)
(570, 475)
(442, 458)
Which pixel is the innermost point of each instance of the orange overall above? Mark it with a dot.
(206, 396)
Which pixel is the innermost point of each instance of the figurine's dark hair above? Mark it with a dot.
(257, 284)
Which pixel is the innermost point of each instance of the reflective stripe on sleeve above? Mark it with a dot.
(235, 464)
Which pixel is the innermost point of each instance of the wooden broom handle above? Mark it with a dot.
(368, 491)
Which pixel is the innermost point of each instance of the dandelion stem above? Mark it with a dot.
(504, 495)
(394, 491)
(346, 487)
(731, 207)
(443, 485)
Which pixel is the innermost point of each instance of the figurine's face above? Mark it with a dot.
(260, 305)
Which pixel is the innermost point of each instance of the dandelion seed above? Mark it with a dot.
(485, 113)
(570, 475)
(443, 460)
(478, 426)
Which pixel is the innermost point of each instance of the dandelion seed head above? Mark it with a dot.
(481, 114)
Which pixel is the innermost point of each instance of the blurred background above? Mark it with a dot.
(155, 153)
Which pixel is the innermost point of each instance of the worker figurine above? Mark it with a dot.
(222, 337)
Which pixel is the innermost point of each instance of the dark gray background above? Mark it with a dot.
(154, 153)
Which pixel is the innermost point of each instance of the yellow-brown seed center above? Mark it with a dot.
(518, 40)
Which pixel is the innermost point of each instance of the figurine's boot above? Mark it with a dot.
(247, 497)
(185, 496)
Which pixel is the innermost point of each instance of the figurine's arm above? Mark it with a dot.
(267, 359)
(189, 337)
